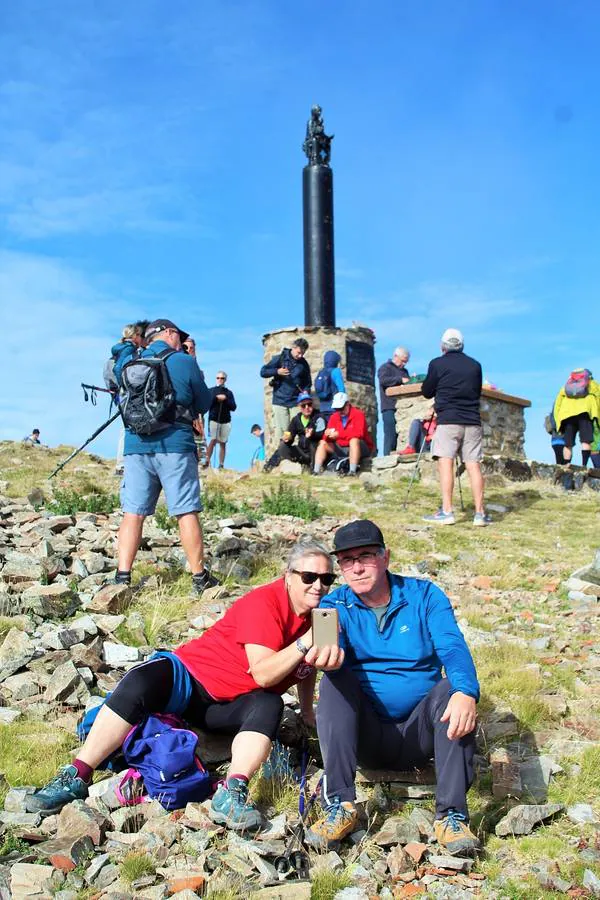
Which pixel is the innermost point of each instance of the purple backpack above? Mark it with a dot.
(164, 753)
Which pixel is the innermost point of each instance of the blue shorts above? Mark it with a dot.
(147, 473)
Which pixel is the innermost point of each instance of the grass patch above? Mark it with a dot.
(12, 844)
(68, 501)
(502, 673)
(286, 500)
(21, 756)
(585, 785)
(325, 885)
(136, 865)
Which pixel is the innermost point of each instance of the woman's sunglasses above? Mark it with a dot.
(326, 578)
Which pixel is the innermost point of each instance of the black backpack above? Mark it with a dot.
(147, 398)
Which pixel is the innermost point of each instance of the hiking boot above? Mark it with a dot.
(201, 581)
(454, 835)
(64, 788)
(230, 806)
(339, 821)
(441, 517)
(408, 451)
(482, 519)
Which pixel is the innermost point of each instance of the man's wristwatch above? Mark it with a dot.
(301, 648)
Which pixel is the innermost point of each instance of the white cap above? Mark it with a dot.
(339, 400)
(453, 336)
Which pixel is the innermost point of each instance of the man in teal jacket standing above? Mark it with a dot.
(166, 459)
(388, 707)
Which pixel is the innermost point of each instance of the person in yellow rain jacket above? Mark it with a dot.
(576, 407)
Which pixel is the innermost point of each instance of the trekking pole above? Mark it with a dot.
(89, 441)
(93, 388)
(416, 469)
(459, 471)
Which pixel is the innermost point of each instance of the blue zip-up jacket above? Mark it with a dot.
(287, 387)
(399, 665)
(190, 391)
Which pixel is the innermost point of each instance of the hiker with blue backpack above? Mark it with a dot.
(229, 680)
(329, 381)
(161, 394)
(576, 408)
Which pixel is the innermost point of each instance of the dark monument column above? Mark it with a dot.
(317, 205)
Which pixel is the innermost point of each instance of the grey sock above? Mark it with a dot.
(353, 467)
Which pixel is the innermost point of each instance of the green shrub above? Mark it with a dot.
(289, 501)
(67, 502)
(163, 519)
(217, 504)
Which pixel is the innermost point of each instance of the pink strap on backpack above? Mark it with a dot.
(132, 799)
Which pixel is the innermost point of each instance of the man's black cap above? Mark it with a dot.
(361, 533)
(161, 325)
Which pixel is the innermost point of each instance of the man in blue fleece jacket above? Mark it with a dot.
(389, 707)
(166, 459)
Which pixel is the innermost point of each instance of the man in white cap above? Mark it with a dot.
(454, 380)
(346, 436)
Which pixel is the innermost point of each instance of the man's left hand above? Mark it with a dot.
(461, 715)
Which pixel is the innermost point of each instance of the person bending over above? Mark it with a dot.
(230, 680)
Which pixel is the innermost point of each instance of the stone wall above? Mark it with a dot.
(321, 339)
(502, 417)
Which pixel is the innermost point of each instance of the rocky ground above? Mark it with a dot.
(526, 595)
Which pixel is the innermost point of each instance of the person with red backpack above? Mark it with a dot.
(229, 680)
(576, 408)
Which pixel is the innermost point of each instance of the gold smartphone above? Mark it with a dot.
(325, 627)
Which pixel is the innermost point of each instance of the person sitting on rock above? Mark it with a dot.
(229, 680)
(346, 437)
(300, 441)
(388, 706)
(420, 434)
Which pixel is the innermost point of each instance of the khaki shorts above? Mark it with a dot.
(450, 441)
(219, 432)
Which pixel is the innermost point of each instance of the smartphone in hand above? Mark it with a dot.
(325, 627)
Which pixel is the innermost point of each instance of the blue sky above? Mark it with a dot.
(150, 165)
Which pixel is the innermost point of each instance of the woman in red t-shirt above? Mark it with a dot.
(229, 680)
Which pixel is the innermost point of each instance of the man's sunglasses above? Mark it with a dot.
(326, 578)
(308, 403)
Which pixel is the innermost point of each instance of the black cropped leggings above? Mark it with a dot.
(146, 689)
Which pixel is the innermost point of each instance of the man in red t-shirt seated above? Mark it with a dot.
(346, 437)
(230, 680)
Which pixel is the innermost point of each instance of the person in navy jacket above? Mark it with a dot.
(389, 707)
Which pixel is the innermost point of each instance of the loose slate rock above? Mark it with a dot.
(522, 819)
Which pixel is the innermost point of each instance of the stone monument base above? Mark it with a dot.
(355, 346)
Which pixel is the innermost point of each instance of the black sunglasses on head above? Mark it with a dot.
(326, 578)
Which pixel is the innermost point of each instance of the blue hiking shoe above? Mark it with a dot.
(230, 806)
(482, 519)
(441, 517)
(64, 788)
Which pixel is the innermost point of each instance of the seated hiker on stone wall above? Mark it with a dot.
(230, 680)
(300, 441)
(346, 437)
(388, 706)
(420, 435)
(576, 407)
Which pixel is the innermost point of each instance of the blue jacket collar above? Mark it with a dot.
(348, 598)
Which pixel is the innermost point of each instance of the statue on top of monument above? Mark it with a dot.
(317, 144)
